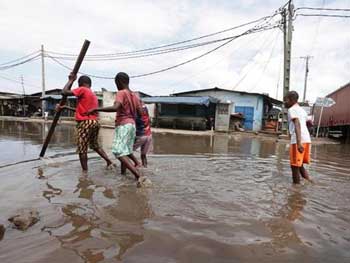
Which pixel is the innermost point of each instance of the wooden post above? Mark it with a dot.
(287, 22)
(64, 98)
(320, 118)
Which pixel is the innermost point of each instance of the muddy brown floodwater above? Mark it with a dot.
(220, 199)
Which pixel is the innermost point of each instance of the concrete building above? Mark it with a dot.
(253, 106)
(14, 104)
(108, 98)
(192, 113)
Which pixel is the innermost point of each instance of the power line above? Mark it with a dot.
(323, 15)
(279, 76)
(20, 63)
(323, 9)
(17, 81)
(314, 41)
(250, 31)
(267, 62)
(21, 58)
(193, 59)
(166, 51)
(250, 61)
(208, 67)
(167, 45)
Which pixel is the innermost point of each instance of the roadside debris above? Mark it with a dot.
(24, 219)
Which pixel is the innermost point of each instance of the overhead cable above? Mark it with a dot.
(323, 9)
(323, 15)
(20, 63)
(229, 40)
(166, 45)
(19, 59)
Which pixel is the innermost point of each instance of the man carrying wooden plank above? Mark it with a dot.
(87, 128)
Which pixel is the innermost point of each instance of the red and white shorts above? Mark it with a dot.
(145, 143)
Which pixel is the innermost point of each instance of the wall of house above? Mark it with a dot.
(184, 110)
(242, 100)
(108, 100)
(338, 114)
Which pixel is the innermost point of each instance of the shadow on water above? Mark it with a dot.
(219, 199)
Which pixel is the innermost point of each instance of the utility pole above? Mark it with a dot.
(307, 58)
(43, 104)
(24, 94)
(287, 24)
(287, 33)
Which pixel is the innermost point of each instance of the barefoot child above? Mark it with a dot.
(300, 144)
(143, 135)
(87, 126)
(127, 105)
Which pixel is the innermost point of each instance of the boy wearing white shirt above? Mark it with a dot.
(300, 144)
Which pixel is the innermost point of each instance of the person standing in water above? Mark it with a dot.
(300, 144)
(87, 128)
(127, 105)
(144, 139)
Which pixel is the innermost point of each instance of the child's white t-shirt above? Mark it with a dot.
(297, 112)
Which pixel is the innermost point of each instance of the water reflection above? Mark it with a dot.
(282, 227)
(51, 192)
(98, 232)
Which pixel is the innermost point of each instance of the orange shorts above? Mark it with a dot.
(297, 158)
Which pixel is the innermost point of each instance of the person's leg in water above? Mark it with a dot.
(306, 160)
(103, 154)
(134, 159)
(93, 141)
(83, 161)
(144, 160)
(296, 174)
(124, 160)
(305, 174)
(123, 148)
(122, 169)
(82, 143)
(146, 148)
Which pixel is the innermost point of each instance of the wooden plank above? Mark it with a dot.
(64, 98)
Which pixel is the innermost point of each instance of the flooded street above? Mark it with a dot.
(220, 199)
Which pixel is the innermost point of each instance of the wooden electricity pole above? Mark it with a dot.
(287, 24)
(43, 104)
(287, 33)
(307, 58)
(24, 94)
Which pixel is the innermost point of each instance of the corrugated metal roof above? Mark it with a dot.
(56, 97)
(181, 100)
(59, 97)
(10, 97)
(272, 100)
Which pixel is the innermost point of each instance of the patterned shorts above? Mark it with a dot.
(124, 138)
(145, 143)
(87, 135)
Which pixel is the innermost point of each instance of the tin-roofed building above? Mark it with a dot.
(254, 107)
(183, 112)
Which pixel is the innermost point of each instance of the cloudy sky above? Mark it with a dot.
(252, 63)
